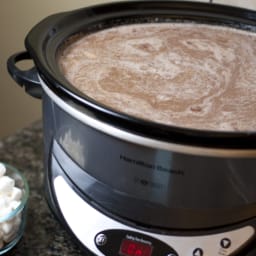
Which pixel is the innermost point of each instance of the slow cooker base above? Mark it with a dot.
(103, 235)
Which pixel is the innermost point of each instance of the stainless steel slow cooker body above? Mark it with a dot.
(151, 175)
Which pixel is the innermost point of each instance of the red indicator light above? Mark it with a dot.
(133, 248)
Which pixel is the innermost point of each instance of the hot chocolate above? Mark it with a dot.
(188, 75)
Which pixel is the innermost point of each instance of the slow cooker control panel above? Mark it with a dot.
(121, 242)
(129, 243)
(105, 236)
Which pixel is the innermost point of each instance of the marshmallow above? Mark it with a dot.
(16, 194)
(2, 169)
(10, 229)
(8, 238)
(5, 211)
(7, 227)
(6, 185)
(2, 202)
(14, 204)
(17, 220)
(10, 199)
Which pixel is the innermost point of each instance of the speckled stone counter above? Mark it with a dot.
(43, 235)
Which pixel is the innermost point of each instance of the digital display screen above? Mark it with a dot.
(133, 248)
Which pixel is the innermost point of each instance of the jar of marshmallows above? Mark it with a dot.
(13, 201)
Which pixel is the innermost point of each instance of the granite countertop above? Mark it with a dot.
(43, 235)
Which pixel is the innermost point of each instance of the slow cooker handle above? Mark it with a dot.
(27, 78)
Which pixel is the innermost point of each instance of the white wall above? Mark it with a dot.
(251, 4)
(17, 17)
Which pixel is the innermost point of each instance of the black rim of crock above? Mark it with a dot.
(44, 40)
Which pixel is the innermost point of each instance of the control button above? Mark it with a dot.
(101, 239)
(225, 243)
(198, 252)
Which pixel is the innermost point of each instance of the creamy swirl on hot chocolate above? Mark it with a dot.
(188, 75)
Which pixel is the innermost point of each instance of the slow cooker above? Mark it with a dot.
(125, 186)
